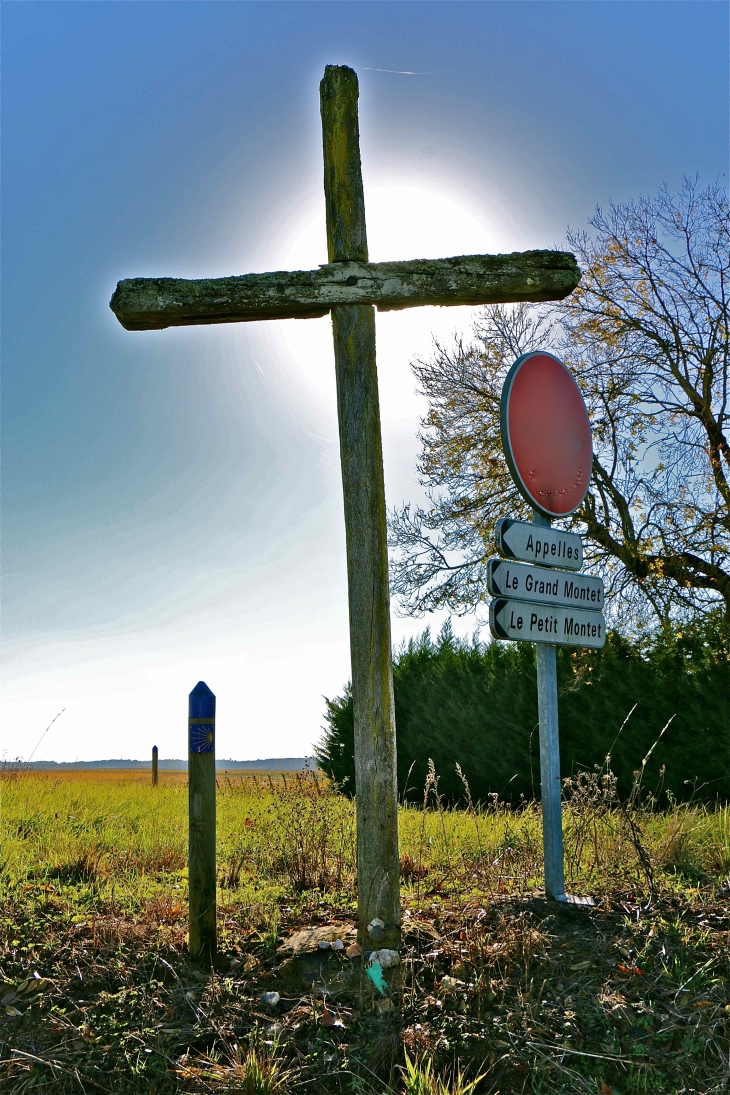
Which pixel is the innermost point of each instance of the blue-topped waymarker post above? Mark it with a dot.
(201, 824)
(546, 436)
(348, 286)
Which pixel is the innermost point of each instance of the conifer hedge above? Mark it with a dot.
(475, 704)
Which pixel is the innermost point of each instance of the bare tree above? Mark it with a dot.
(646, 335)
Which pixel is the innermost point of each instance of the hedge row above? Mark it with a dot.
(476, 704)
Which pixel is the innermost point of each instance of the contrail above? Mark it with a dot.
(402, 72)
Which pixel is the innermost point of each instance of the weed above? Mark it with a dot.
(248, 1071)
(420, 1079)
(314, 845)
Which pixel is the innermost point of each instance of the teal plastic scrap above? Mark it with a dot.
(375, 973)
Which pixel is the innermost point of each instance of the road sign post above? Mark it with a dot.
(552, 817)
(201, 825)
(546, 437)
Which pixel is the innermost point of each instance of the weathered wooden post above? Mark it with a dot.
(154, 765)
(353, 328)
(201, 824)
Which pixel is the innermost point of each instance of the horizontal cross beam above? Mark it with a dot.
(145, 304)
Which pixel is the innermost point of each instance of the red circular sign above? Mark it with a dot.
(546, 434)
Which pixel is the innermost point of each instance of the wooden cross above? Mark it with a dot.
(348, 287)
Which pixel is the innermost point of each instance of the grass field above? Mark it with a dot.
(495, 984)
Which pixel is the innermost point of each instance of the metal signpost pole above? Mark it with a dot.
(201, 824)
(552, 820)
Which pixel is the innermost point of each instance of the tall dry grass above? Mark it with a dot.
(296, 834)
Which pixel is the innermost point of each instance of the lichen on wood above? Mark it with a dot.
(154, 303)
(343, 190)
(363, 488)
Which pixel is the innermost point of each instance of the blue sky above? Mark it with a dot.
(171, 500)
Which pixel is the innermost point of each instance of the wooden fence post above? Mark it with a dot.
(154, 765)
(201, 825)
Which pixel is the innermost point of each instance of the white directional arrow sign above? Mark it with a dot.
(535, 623)
(538, 544)
(546, 586)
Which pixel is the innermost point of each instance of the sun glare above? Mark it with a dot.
(403, 222)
